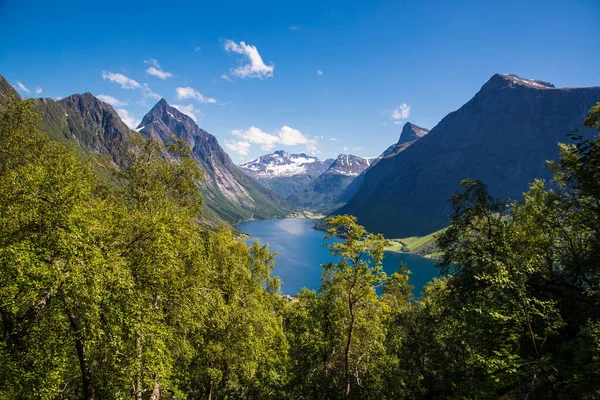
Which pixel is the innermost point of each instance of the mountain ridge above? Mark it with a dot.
(229, 192)
(503, 136)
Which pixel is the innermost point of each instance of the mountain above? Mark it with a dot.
(285, 173)
(322, 193)
(93, 125)
(7, 91)
(502, 136)
(228, 192)
(98, 131)
(409, 135)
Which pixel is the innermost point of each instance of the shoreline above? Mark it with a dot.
(395, 245)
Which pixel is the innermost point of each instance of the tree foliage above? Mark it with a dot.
(120, 292)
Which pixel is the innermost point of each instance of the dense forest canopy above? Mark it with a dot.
(117, 291)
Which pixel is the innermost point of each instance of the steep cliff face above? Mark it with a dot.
(502, 136)
(229, 192)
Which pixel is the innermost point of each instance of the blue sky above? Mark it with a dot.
(307, 72)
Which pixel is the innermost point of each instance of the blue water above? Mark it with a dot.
(301, 252)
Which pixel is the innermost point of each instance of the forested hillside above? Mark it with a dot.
(119, 292)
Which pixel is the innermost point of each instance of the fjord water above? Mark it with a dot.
(301, 252)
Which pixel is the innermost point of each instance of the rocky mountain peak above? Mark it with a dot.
(411, 132)
(283, 164)
(512, 81)
(348, 164)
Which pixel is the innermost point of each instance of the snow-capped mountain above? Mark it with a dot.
(285, 173)
(281, 164)
(349, 165)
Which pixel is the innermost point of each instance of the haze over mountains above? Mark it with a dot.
(502, 136)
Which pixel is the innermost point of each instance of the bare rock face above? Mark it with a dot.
(228, 192)
(502, 136)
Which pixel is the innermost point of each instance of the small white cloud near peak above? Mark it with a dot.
(319, 72)
(128, 118)
(149, 93)
(226, 77)
(191, 93)
(345, 148)
(401, 113)
(254, 66)
(294, 28)
(333, 139)
(120, 79)
(22, 87)
(111, 100)
(156, 69)
(240, 147)
(38, 90)
(188, 110)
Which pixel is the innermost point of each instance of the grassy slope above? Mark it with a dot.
(421, 245)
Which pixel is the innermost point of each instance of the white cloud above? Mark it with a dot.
(58, 98)
(149, 93)
(188, 110)
(333, 139)
(125, 82)
(38, 90)
(255, 67)
(111, 100)
(128, 118)
(156, 70)
(319, 72)
(401, 112)
(345, 148)
(226, 77)
(286, 136)
(257, 136)
(22, 87)
(294, 28)
(128, 83)
(191, 93)
(240, 148)
(159, 73)
(291, 137)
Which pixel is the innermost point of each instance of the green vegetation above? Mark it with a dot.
(422, 245)
(119, 292)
